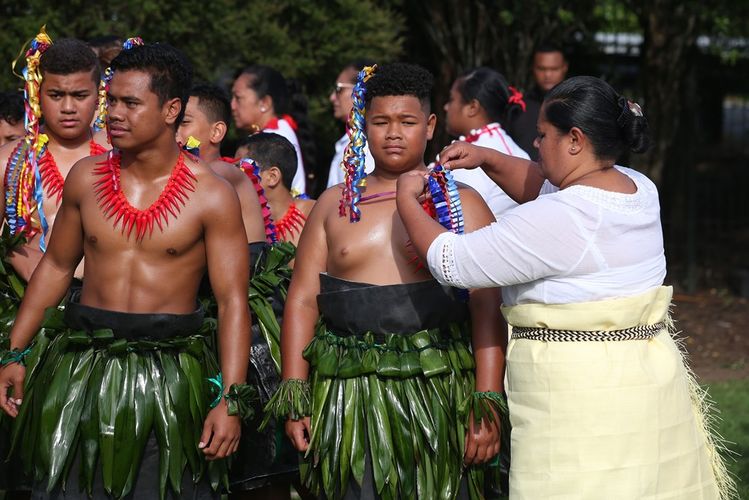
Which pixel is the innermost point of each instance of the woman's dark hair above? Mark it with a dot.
(288, 99)
(490, 88)
(613, 124)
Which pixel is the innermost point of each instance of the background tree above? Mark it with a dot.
(308, 41)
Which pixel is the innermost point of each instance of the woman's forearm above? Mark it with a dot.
(521, 179)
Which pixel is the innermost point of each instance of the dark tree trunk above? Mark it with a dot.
(452, 36)
(670, 33)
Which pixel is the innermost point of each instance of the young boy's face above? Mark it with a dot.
(68, 103)
(195, 123)
(398, 128)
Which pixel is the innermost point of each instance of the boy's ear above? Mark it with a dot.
(171, 109)
(274, 176)
(218, 131)
(431, 123)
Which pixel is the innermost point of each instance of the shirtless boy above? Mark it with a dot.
(207, 118)
(138, 416)
(67, 99)
(372, 397)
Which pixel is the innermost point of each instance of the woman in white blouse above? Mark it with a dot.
(601, 403)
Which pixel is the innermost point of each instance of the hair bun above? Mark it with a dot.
(634, 126)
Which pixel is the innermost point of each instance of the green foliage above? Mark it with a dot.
(732, 400)
(309, 41)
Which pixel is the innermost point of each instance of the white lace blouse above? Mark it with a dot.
(574, 245)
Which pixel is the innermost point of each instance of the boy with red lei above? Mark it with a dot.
(61, 90)
(277, 162)
(207, 118)
(66, 100)
(127, 396)
(261, 469)
(378, 375)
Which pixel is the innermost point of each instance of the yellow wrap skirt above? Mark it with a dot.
(607, 420)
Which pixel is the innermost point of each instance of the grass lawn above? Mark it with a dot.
(732, 398)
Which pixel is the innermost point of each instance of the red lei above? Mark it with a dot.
(113, 203)
(291, 222)
(52, 179)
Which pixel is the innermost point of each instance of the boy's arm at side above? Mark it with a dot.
(300, 310)
(489, 331)
(228, 270)
(48, 284)
(489, 339)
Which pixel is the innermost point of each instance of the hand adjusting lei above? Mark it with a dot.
(113, 202)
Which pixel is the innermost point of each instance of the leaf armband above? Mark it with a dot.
(8, 356)
(291, 401)
(482, 404)
(239, 398)
(239, 401)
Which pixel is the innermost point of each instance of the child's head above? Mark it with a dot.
(478, 97)
(399, 121)
(11, 117)
(207, 116)
(68, 94)
(275, 156)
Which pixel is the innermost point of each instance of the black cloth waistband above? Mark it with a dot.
(132, 326)
(353, 308)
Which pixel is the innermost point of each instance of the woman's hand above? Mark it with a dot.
(462, 155)
(412, 184)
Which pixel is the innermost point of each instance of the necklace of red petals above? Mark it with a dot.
(113, 203)
(52, 179)
(291, 222)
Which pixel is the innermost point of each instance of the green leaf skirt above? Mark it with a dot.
(399, 400)
(94, 398)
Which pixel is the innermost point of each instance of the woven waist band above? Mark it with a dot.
(640, 332)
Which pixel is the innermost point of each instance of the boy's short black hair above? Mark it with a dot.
(213, 101)
(268, 150)
(67, 56)
(11, 107)
(170, 70)
(400, 79)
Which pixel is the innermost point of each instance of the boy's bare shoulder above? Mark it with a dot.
(305, 206)
(226, 170)
(210, 182)
(329, 199)
(475, 210)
